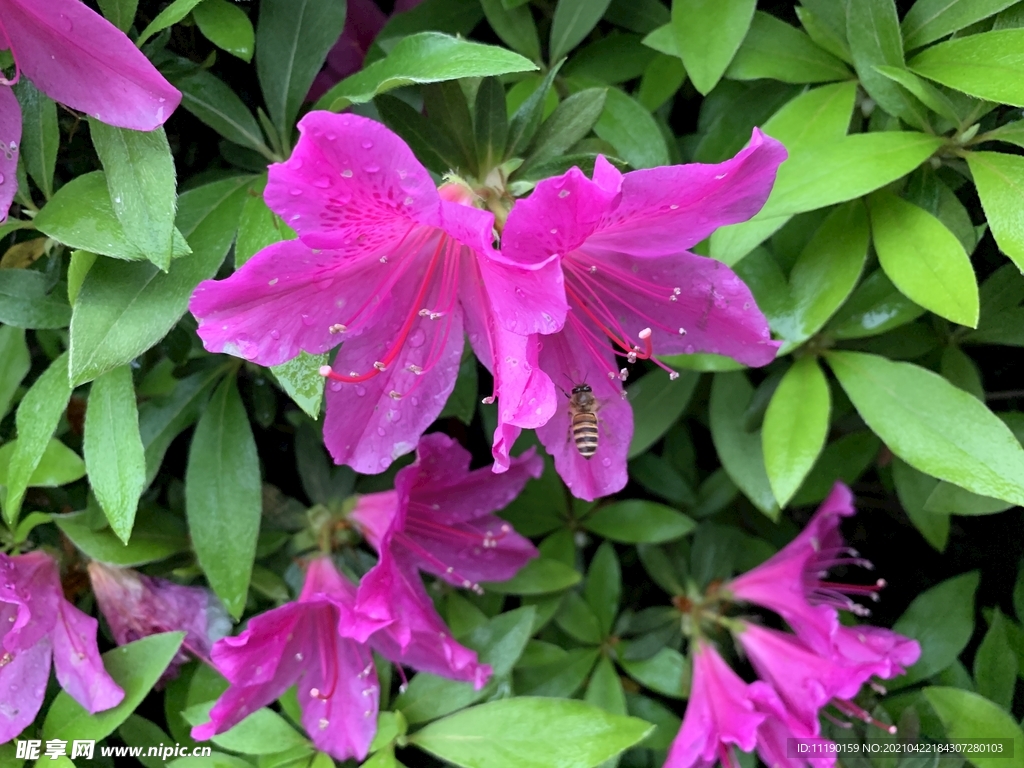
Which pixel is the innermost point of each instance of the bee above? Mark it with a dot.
(583, 408)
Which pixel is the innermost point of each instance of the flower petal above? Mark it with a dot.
(28, 599)
(76, 57)
(666, 210)
(570, 358)
(339, 696)
(440, 481)
(680, 291)
(368, 427)
(76, 659)
(288, 298)
(10, 140)
(352, 185)
(25, 677)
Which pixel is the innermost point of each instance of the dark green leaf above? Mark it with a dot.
(603, 589)
(515, 27)
(632, 131)
(446, 106)
(120, 13)
(538, 577)
(159, 535)
(914, 489)
(968, 716)
(527, 118)
(17, 361)
(490, 121)
(638, 522)
(571, 23)
(40, 134)
(666, 672)
(571, 121)
(169, 16)
(874, 307)
(25, 302)
(432, 147)
(213, 102)
(774, 49)
(605, 688)
(995, 664)
(226, 26)
(658, 402)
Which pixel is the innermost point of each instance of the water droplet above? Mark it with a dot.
(417, 337)
(117, 199)
(347, 173)
(331, 136)
(564, 193)
(408, 201)
(371, 168)
(295, 192)
(307, 320)
(324, 182)
(360, 390)
(66, 23)
(415, 401)
(384, 462)
(335, 386)
(606, 462)
(275, 334)
(554, 230)
(325, 283)
(1, 178)
(395, 416)
(381, 432)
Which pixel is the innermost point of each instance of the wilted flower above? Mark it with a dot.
(36, 624)
(309, 643)
(137, 606)
(633, 288)
(76, 57)
(392, 267)
(439, 519)
(720, 714)
(363, 21)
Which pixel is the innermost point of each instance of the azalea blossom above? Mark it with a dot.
(439, 519)
(634, 289)
(78, 58)
(38, 624)
(136, 606)
(720, 714)
(794, 583)
(309, 643)
(363, 22)
(393, 269)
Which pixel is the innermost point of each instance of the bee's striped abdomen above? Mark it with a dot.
(584, 433)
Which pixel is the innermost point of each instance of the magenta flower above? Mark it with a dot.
(439, 519)
(76, 57)
(308, 643)
(392, 267)
(363, 22)
(719, 715)
(36, 625)
(633, 287)
(780, 725)
(137, 606)
(793, 584)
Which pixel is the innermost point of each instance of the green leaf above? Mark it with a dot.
(927, 93)
(948, 499)
(873, 30)
(141, 181)
(995, 664)
(158, 536)
(124, 309)
(968, 716)
(25, 303)
(40, 134)
(666, 672)
(941, 619)
(529, 731)
(662, 40)
(446, 104)
(264, 732)
(960, 370)
(932, 425)
(573, 21)
(873, 308)
(740, 451)
(58, 465)
(629, 128)
(914, 489)
(81, 215)
(613, 59)
(292, 41)
(577, 620)
(658, 402)
(120, 13)
(707, 35)
(213, 102)
(662, 78)
(605, 688)
(638, 522)
(135, 667)
(537, 577)
(989, 65)
(795, 427)
(774, 49)
(433, 147)
(258, 226)
(227, 26)
(300, 378)
(490, 121)
(223, 496)
(36, 420)
(823, 174)
(924, 259)
(1000, 181)
(603, 589)
(169, 16)
(114, 455)
(426, 57)
(515, 27)
(463, 400)
(17, 362)
(570, 122)
(929, 20)
(528, 116)
(831, 38)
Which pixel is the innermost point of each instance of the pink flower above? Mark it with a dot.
(392, 267)
(76, 57)
(308, 643)
(793, 584)
(719, 715)
(137, 606)
(634, 288)
(439, 519)
(778, 727)
(363, 23)
(37, 624)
